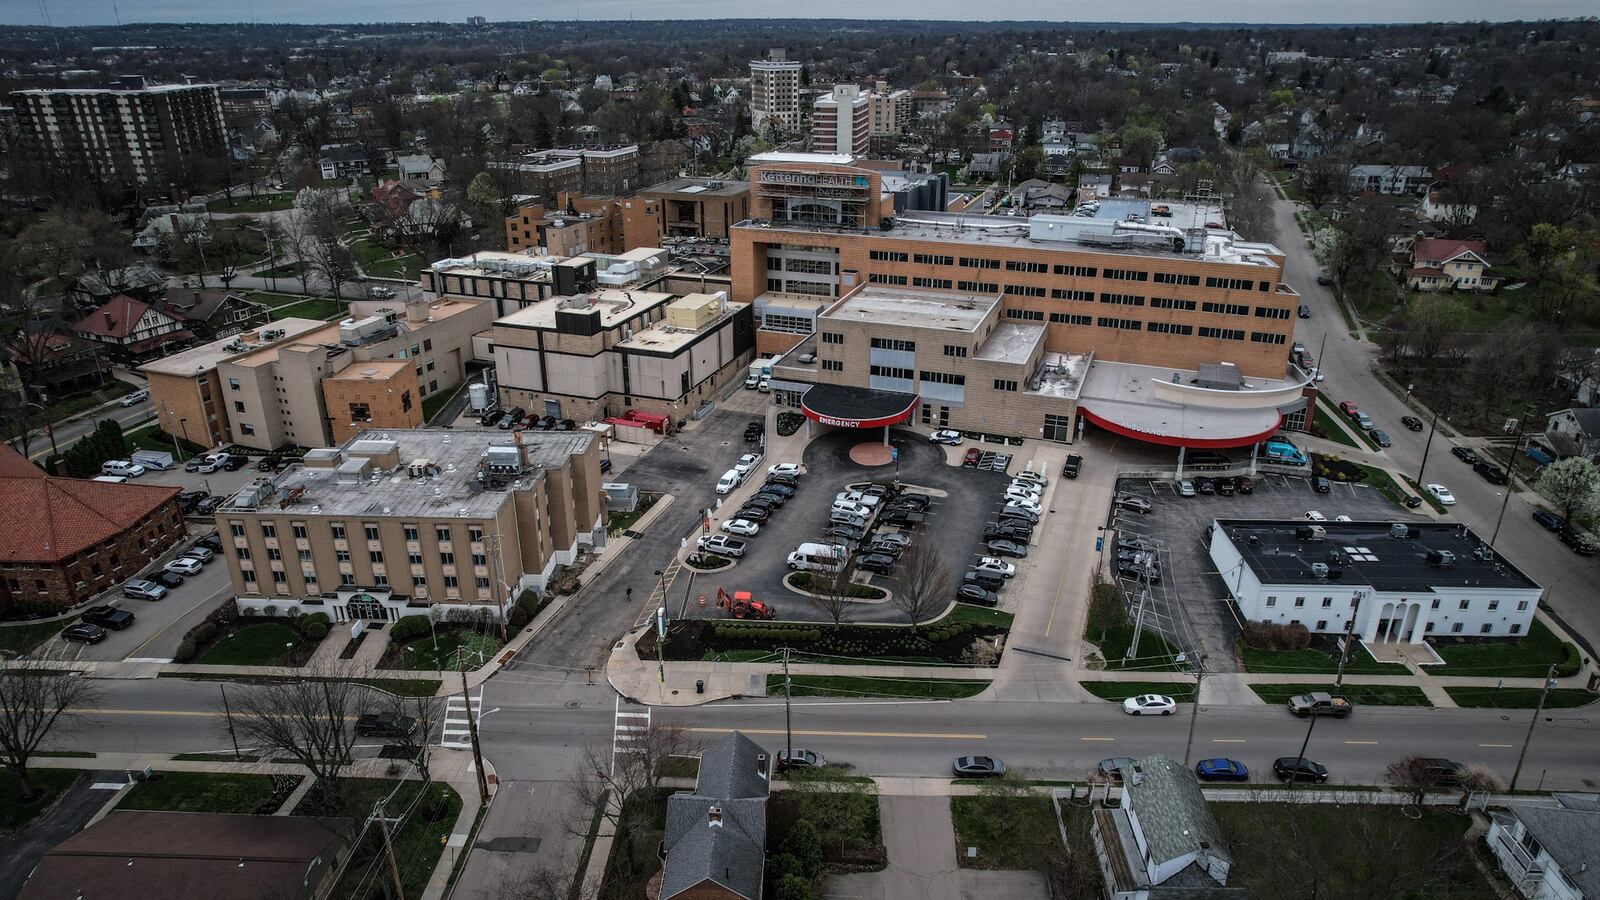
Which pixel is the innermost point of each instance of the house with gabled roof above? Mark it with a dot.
(716, 840)
(1162, 842)
(1448, 264)
(133, 329)
(1549, 853)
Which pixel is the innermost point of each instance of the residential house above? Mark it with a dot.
(1057, 157)
(133, 329)
(184, 854)
(984, 165)
(1309, 142)
(1035, 195)
(1578, 371)
(1093, 187)
(211, 313)
(716, 841)
(139, 281)
(1549, 853)
(1573, 432)
(342, 162)
(1393, 180)
(51, 364)
(1440, 206)
(1162, 841)
(419, 165)
(188, 220)
(1444, 264)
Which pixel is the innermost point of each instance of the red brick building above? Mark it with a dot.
(79, 537)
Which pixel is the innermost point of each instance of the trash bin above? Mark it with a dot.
(1594, 682)
(700, 686)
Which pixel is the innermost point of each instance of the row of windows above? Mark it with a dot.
(1124, 275)
(887, 255)
(1122, 299)
(1267, 337)
(1124, 324)
(1075, 271)
(1069, 319)
(1227, 309)
(978, 262)
(832, 337)
(1023, 290)
(892, 344)
(1226, 334)
(441, 533)
(1268, 312)
(786, 324)
(954, 350)
(1171, 303)
(978, 287)
(933, 259)
(832, 365)
(1522, 605)
(1015, 265)
(943, 378)
(1068, 294)
(1168, 328)
(1237, 284)
(941, 283)
(881, 278)
(1004, 384)
(1173, 278)
(891, 372)
(1027, 315)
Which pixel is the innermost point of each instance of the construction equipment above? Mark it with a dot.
(741, 605)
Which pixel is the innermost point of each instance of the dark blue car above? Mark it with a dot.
(1220, 769)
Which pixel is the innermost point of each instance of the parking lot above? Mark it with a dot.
(963, 501)
(1189, 605)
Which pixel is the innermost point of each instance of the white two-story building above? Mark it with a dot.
(1400, 581)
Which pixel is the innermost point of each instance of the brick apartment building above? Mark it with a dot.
(592, 171)
(1141, 292)
(775, 93)
(701, 208)
(841, 121)
(571, 226)
(427, 521)
(82, 536)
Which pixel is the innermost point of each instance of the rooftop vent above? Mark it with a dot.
(1319, 570)
(1442, 559)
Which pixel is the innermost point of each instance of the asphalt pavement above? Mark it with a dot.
(71, 812)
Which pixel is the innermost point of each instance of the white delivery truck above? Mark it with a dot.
(153, 459)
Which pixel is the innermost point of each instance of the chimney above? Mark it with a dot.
(110, 322)
(761, 764)
(714, 817)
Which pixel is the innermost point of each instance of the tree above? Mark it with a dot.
(805, 843)
(307, 720)
(416, 743)
(484, 194)
(33, 698)
(1572, 484)
(831, 590)
(1029, 163)
(1321, 179)
(1414, 775)
(829, 795)
(924, 583)
(609, 779)
(793, 887)
(1141, 143)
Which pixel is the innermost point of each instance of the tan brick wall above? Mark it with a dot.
(188, 405)
(393, 402)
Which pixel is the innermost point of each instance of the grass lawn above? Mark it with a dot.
(379, 261)
(1122, 690)
(1280, 848)
(1115, 635)
(282, 270)
(317, 308)
(1530, 657)
(14, 813)
(77, 403)
(1426, 497)
(852, 686)
(977, 615)
(1329, 426)
(618, 522)
(20, 640)
(151, 437)
(210, 792)
(275, 299)
(258, 204)
(632, 864)
(1385, 483)
(426, 654)
(1009, 832)
(1359, 694)
(260, 644)
(404, 687)
(418, 839)
(1316, 661)
(1519, 698)
(436, 401)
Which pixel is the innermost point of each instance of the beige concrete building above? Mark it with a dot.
(571, 226)
(841, 121)
(891, 110)
(775, 93)
(512, 281)
(423, 522)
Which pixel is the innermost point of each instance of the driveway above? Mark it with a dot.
(73, 810)
(920, 840)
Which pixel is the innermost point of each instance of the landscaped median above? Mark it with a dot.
(1314, 661)
(1520, 698)
(1109, 629)
(211, 792)
(1118, 691)
(1358, 694)
(897, 688)
(967, 636)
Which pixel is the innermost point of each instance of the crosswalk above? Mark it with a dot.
(454, 731)
(630, 730)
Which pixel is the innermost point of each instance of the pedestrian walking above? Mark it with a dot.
(630, 595)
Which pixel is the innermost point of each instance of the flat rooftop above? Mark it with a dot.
(779, 156)
(1060, 375)
(615, 304)
(454, 492)
(1374, 556)
(375, 370)
(704, 187)
(663, 338)
(1010, 342)
(205, 357)
(916, 309)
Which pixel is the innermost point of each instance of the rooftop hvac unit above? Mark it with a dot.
(1319, 570)
(418, 468)
(272, 334)
(1483, 553)
(1441, 559)
(1398, 530)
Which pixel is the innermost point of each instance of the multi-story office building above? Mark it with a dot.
(684, 208)
(1185, 328)
(513, 281)
(420, 522)
(129, 133)
(775, 92)
(572, 226)
(595, 171)
(841, 121)
(594, 352)
(309, 383)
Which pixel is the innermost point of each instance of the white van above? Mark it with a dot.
(729, 480)
(818, 558)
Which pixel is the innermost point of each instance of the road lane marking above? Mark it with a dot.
(1507, 746)
(877, 734)
(1097, 739)
(1364, 743)
(186, 713)
(1229, 741)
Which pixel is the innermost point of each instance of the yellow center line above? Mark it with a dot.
(1497, 745)
(1097, 739)
(931, 735)
(1228, 741)
(1361, 742)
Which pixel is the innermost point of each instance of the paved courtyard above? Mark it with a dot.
(1190, 606)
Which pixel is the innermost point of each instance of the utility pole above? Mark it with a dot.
(472, 730)
(1549, 679)
(1511, 472)
(788, 720)
(1303, 745)
(228, 711)
(1194, 713)
(1432, 430)
(1349, 633)
(1138, 613)
(388, 851)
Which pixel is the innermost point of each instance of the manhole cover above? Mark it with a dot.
(574, 704)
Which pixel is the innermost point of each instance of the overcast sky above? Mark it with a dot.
(107, 12)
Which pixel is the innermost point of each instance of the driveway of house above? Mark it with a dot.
(920, 840)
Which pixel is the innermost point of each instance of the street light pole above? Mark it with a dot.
(1300, 760)
(1549, 679)
(1349, 635)
(1194, 713)
(1432, 429)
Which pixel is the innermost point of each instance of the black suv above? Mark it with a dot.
(1490, 472)
(385, 725)
(1298, 768)
(1550, 520)
(1073, 465)
(1579, 544)
(108, 617)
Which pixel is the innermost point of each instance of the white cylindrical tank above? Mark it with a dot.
(478, 396)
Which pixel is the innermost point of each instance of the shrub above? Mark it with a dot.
(784, 865)
(793, 887)
(306, 622)
(1269, 636)
(1573, 661)
(806, 844)
(529, 603)
(185, 652)
(316, 631)
(407, 628)
(201, 633)
(518, 617)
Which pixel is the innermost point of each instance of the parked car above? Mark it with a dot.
(1575, 540)
(1130, 502)
(1490, 472)
(986, 580)
(1246, 484)
(140, 589)
(1364, 421)
(108, 617)
(389, 725)
(1321, 703)
(1439, 772)
(881, 563)
(898, 538)
(1442, 494)
(978, 767)
(1023, 494)
(1220, 768)
(722, 545)
(212, 542)
(1313, 515)
(798, 759)
(788, 470)
(1381, 438)
(1010, 516)
(1298, 768)
(970, 459)
(995, 564)
(122, 467)
(1321, 485)
(235, 463)
(953, 438)
(891, 550)
(741, 526)
(510, 417)
(1349, 408)
(208, 506)
(1024, 504)
(490, 417)
(1465, 454)
(83, 633)
(1185, 488)
(1412, 423)
(379, 292)
(770, 498)
(752, 514)
(776, 488)
(1149, 705)
(977, 594)
(1072, 466)
(918, 502)
(168, 579)
(1550, 520)
(789, 481)
(184, 565)
(1018, 531)
(135, 398)
(1225, 487)
(844, 533)
(188, 500)
(903, 518)
(747, 463)
(202, 553)
(1005, 547)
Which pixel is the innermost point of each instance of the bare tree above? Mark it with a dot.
(540, 883)
(33, 698)
(417, 742)
(831, 590)
(606, 779)
(924, 583)
(306, 720)
(1415, 775)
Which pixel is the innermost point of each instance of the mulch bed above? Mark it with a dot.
(692, 639)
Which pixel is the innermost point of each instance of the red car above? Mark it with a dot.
(971, 459)
(1348, 408)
